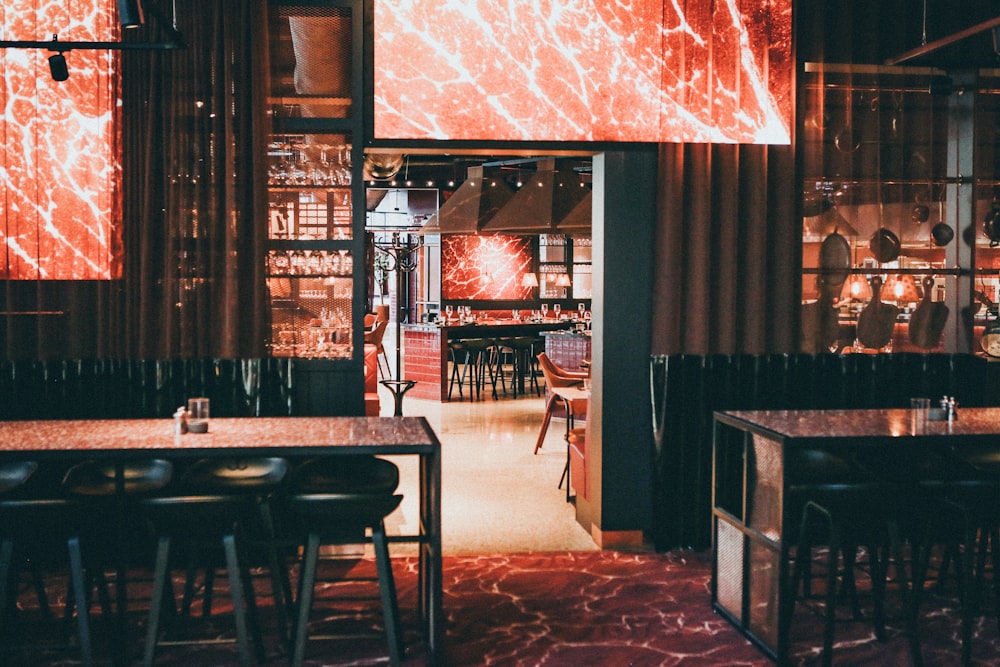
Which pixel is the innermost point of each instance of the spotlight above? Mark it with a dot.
(58, 68)
(130, 13)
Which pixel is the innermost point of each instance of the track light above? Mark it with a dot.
(130, 13)
(58, 68)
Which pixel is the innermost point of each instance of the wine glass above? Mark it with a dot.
(545, 310)
(447, 312)
(557, 308)
(516, 313)
(580, 308)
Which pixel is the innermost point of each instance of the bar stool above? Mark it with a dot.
(843, 506)
(333, 501)
(31, 527)
(221, 507)
(521, 352)
(477, 366)
(456, 351)
(108, 510)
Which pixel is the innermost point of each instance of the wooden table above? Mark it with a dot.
(750, 530)
(123, 440)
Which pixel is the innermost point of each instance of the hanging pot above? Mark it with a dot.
(848, 139)
(942, 233)
(884, 245)
(991, 226)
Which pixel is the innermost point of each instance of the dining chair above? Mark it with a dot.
(556, 376)
(374, 337)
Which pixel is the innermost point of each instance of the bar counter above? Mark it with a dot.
(425, 348)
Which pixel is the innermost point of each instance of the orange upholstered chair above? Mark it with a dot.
(372, 404)
(556, 376)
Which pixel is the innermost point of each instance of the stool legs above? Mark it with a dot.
(387, 591)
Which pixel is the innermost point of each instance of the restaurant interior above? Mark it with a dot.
(340, 208)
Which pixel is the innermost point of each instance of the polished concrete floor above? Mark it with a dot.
(497, 496)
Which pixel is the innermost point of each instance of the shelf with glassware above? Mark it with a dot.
(311, 295)
(310, 265)
(564, 267)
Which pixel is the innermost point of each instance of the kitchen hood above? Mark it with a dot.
(579, 220)
(472, 206)
(547, 197)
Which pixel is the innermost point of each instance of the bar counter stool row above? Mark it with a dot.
(474, 362)
(234, 514)
(902, 510)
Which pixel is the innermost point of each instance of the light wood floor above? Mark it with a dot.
(497, 496)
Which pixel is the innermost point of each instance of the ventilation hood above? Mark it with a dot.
(473, 205)
(547, 197)
(579, 220)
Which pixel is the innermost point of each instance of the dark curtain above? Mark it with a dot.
(728, 271)
(194, 151)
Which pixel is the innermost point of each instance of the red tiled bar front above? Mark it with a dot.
(128, 439)
(567, 350)
(425, 349)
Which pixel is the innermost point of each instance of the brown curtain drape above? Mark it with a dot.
(728, 273)
(194, 151)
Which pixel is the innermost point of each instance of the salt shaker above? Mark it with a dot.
(180, 421)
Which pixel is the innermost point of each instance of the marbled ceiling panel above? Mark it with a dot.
(584, 70)
(488, 267)
(59, 170)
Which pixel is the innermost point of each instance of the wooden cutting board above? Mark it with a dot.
(928, 320)
(876, 321)
(820, 324)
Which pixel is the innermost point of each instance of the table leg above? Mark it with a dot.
(430, 578)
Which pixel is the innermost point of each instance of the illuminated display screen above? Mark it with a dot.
(484, 267)
(584, 70)
(59, 172)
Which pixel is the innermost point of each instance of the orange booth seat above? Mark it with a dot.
(371, 381)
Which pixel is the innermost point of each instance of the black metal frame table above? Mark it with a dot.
(750, 530)
(132, 439)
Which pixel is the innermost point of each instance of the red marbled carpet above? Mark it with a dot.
(570, 609)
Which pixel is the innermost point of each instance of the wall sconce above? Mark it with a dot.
(529, 280)
(563, 280)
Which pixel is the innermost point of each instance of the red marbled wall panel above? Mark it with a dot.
(484, 267)
(59, 169)
(584, 70)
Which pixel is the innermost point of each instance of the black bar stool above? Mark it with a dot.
(477, 366)
(32, 525)
(333, 501)
(221, 507)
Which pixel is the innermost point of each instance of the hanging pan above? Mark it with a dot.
(876, 321)
(928, 320)
(834, 259)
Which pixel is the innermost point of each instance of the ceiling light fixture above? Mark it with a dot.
(134, 10)
(130, 14)
(58, 67)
